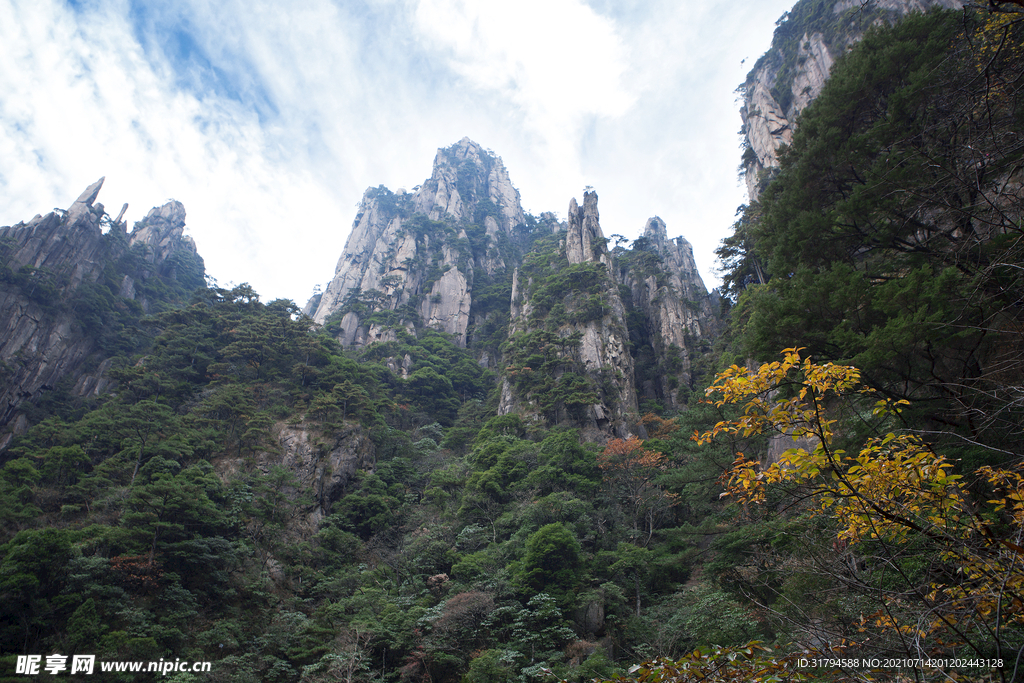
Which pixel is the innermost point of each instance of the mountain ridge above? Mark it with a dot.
(449, 257)
(66, 286)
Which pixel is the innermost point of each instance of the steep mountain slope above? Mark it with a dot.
(890, 238)
(71, 295)
(418, 256)
(887, 246)
(567, 356)
(241, 474)
(673, 316)
(459, 256)
(808, 39)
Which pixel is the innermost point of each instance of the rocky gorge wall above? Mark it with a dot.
(601, 331)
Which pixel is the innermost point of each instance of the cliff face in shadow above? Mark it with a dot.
(673, 318)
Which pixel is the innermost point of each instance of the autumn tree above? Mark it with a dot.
(944, 569)
(716, 664)
(631, 470)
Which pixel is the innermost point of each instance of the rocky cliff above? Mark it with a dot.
(413, 259)
(574, 328)
(68, 290)
(673, 313)
(322, 464)
(808, 39)
(568, 356)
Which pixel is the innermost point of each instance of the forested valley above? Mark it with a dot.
(829, 470)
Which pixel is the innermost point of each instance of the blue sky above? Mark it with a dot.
(269, 119)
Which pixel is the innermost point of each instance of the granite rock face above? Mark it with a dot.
(428, 259)
(584, 240)
(43, 265)
(409, 256)
(323, 465)
(464, 175)
(602, 349)
(677, 314)
(161, 232)
(795, 72)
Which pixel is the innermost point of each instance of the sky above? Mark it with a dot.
(268, 120)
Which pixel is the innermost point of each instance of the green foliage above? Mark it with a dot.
(368, 510)
(389, 202)
(412, 534)
(807, 18)
(884, 241)
(542, 369)
(740, 263)
(487, 667)
(552, 564)
(564, 463)
(177, 531)
(561, 292)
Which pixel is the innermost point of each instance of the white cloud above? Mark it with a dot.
(268, 119)
(557, 59)
(556, 64)
(81, 100)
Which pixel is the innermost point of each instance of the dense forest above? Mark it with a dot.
(250, 492)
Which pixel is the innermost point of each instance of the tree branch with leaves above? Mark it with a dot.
(892, 498)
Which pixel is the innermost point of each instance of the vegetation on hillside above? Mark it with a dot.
(255, 495)
(888, 248)
(891, 238)
(160, 523)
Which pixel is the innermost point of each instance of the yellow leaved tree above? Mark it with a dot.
(893, 496)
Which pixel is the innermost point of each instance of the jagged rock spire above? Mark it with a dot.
(584, 240)
(49, 342)
(603, 347)
(396, 259)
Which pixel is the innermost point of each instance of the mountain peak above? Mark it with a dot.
(584, 240)
(464, 149)
(385, 253)
(84, 204)
(65, 290)
(655, 229)
(91, 192)
(468, 184)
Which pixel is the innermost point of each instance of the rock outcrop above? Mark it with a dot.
(539, 300)
(587, 374)
(409, 259)
(323, 465)
(584, 240)
(677, 313)
(464, 176)
(792, 73)
(49, 322)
